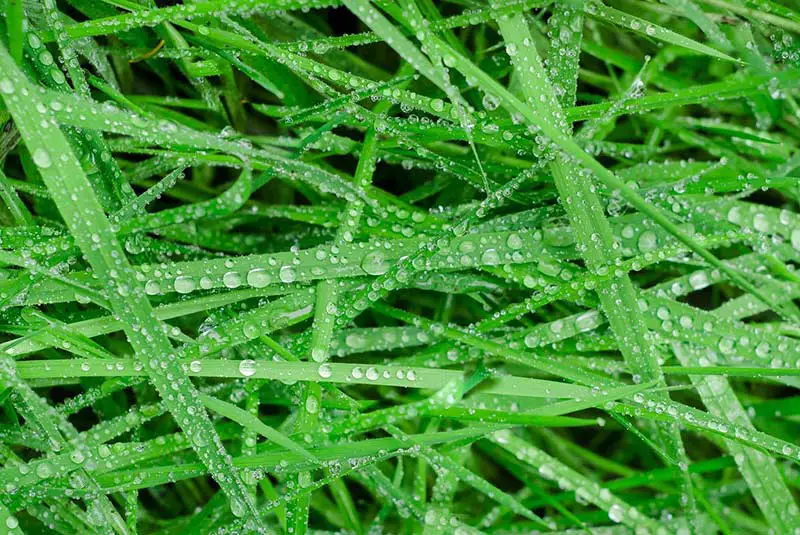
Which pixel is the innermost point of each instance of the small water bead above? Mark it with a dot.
(258, 278)
(44, 470)
(795, 239)
(628, 231)
(319, 354)
(355, 341)
(6, 86)
(231, 279)
(735, 215)
(490, 102)
(437, 104)
(238, 508)
(532, 340)
(587, 321)
(357, 373)
(12, 522)
(184, 284)
(648, 241)
(250, 330)
(152, 288)
(698, 280)
(247, 367)
(514, 241)
(312, 404)
(196, 366)
(287, 274)
(42, 158)
(726, 345)
(761, 222)
(616, 513)
(325, 371)
(372, 374)
(490, 257)
(375, 263)
(548, 267)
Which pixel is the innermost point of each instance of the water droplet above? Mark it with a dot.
(532, 340)
(44, 470)
(761, 222)
(184, 284)
(196, 366)
(42, 158)
(375, 263)
(647, 241)
(258, 278)
(250, 330)
(231, 279)
(287, 274)
(312, 404)
(796, 239)
(325, 371)
(247, 367)
(587, 320)
(490, 257)
(616, 513)
(514, 241)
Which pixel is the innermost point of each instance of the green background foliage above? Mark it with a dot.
(399, 267)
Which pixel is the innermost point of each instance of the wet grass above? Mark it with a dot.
(399, 267)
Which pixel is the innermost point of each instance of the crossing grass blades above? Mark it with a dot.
(399, 267)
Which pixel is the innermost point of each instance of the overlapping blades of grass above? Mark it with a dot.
(319, 297)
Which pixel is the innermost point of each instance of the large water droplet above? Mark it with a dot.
(325, 371)
(184, 284)
(247, 367)
(647, 241)
(231, 279)
(258, 278)
(374, 263)
(42, 158)
(287, 274)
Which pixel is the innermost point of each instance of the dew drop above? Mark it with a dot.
(795, 239)
(287, 274)
(231, 279)
(375, 263)
(247, 367)
(42, 158)
(514, 241)
(647, 241)
(184, 284)
(325, 371)
(258, 278)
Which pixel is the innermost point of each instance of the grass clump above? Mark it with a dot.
(402, 267)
